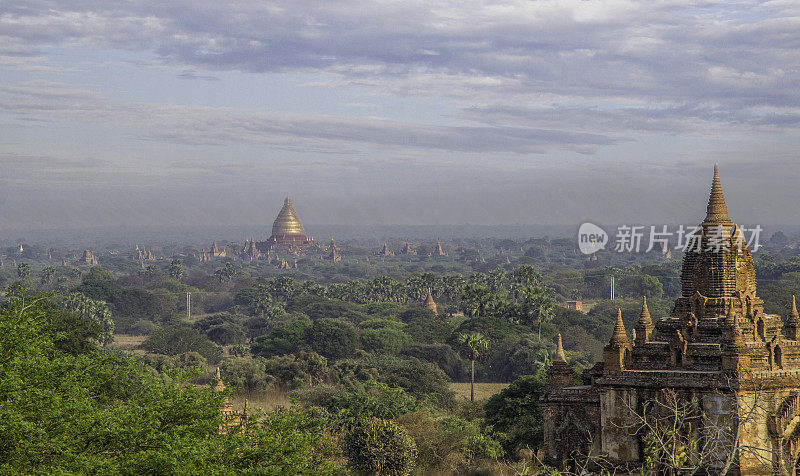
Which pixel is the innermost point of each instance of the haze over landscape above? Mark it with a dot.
(196, 113)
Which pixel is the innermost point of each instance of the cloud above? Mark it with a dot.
(192, 75)
(225, 125)
(719, 57)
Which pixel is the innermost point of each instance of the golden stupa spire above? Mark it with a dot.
(619, 336)
(560, 350)
(717, 211)
(287, 223)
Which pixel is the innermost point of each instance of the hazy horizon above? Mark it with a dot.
(196, 113)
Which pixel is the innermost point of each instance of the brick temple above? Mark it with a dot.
(734, 369)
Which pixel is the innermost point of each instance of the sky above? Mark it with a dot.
(196, 112)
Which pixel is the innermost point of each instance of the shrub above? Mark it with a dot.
(380, 447)
(333, 338)
(440, 354)
(227, 333)
(142, 328)
(353, 403)
(303, 367)
(285, 338)
(421, 379)
(246, 374)
(180, 339)
(383, 340)
(517, 413)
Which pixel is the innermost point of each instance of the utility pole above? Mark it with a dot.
(188, 305)
(612, 287)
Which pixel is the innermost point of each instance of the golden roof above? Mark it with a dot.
(287, 222)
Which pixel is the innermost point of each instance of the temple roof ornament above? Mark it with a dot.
(559, 350)
(429, 302)
(619, 336)
(717, 211)
(644, 327)
(287, 223)
(793, 315)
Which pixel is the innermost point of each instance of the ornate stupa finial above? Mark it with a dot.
(430, 303)
(717, 211)
(619, 336)
(793, 315)
(560, 350)
(645, 325)
(218, 386)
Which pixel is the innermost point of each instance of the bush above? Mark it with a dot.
(383, 340)
(353, 403)
(180, 339)
(333, 338)
(297, 369)
(421, 379)
(227, 333)
(517, 412)
(285, 338)
(142, 328)
(442, 355)
(379, 446)
(245, 374)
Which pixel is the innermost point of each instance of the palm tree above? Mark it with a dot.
(475, 299)
(176, 269)
(537, 305)
(48, 272)
(474, 343)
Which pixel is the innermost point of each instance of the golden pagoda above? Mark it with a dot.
(287, 223)
(287, 232)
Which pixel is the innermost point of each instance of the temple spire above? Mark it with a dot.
(645, 325)
(619, 336)
(560, 350)
(717, 211)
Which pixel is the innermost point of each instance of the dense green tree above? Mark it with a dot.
(516, 412)
(176, 269)
(285, 338)
(92, 310)
(173, 340)
(23, 271)
(333, 338)
(85, 411)
(475, 299)
(47, 274)
(377, 446)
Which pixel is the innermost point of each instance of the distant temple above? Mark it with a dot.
(733, 370)
(430, 303)
(408, 250)
(439, 251)
(288, 233)
(385, 251)
(88, 258)
(333, 253)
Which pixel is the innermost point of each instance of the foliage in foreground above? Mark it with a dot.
(78, 409)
